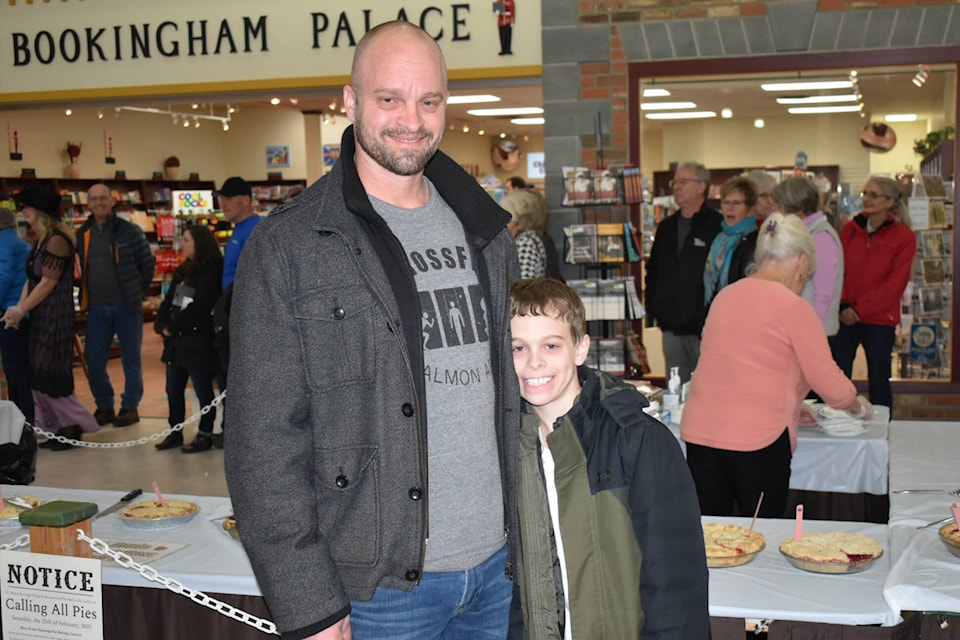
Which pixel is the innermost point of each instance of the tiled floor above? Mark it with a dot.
(127, 468)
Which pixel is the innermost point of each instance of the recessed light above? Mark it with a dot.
(831, 109)
(900, 117)
(274, 101)
(481, 132)
(806, 86)
(514, 111)
(666, 106)
(726, 113)
(681, 115)
(818, 99)
(655, 93)
(524, 121)
(759, 123)
(474, 99)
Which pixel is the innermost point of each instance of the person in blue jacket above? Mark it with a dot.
(14, 340)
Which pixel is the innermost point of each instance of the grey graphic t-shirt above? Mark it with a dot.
(465, 500)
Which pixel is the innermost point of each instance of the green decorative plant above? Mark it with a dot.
(923, 146)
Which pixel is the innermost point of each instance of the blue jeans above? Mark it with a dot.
(15, 353)
(877, 341)
(202, 386)
(103, 322)
(456, 605)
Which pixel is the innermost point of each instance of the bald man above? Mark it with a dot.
(373, 402)
(117, 266)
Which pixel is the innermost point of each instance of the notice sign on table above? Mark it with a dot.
(47, 597)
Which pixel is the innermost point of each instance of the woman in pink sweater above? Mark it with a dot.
(763, 349)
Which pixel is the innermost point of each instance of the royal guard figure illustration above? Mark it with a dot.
(506, 15)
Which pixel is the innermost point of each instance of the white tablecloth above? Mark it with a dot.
(823, 462)
(924, 575)
(771, 588)
(212, 562)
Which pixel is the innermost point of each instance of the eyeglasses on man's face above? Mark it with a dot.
(681, 182)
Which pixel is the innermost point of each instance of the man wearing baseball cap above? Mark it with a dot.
(236, 202)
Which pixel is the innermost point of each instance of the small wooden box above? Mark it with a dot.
(53, 527)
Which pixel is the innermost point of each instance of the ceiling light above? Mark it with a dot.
(655, 93)
(819, 99)
(480, 133)
(294, 101)
(99, 114)
(525, 121)
(806, 86)
(833, 109)
(274, 101)
(69, 112)
(177, 117)
(466, 129)
(502, 135)
(186, 123)
(666, 106)
(194, 106)
(196, 123)
(226, 127)
(921, 78)
(333, 105)
(900, 117)
(759, 123)
(511, 111)
(231, 109)
(726, 113)
(472, 99)
(681, 115)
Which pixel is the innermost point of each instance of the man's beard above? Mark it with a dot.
(403, 163)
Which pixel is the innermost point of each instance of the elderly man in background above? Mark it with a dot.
(674, 282)
(117, 267)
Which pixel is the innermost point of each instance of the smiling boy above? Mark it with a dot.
(604, 491)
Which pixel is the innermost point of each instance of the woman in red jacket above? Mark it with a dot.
(878, 250)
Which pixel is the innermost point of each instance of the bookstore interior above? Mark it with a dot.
(836, 126)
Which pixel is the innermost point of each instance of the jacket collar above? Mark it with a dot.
(861, 221)
(478, 213)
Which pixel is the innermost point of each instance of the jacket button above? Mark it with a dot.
(407, 409)
(412, 575)
(415, 494)
(342, 482)
(339, 313)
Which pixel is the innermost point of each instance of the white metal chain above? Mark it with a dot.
(148, 572)
(22, 541)
(139, 441)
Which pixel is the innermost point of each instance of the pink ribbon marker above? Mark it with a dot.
(956, 513)
(798, 533)
(756, 511)
(163, 503)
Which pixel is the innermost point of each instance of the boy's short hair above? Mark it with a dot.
(549, 297)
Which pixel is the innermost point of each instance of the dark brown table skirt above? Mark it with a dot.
(824, 505)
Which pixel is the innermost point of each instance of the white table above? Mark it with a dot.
(212, 561)
(822, 462)
(924, 575)
(770, 587)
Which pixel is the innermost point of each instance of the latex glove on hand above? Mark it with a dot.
(808, 417)
(866, 409)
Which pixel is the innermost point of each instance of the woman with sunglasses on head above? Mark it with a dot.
(47, 296)
(878, 251)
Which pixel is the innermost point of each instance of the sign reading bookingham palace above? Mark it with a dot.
(54, 51)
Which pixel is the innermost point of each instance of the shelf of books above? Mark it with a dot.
(924, 346)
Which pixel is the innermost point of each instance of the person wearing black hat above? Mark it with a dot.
(236, 202)
(117, 270)
(47, 296)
